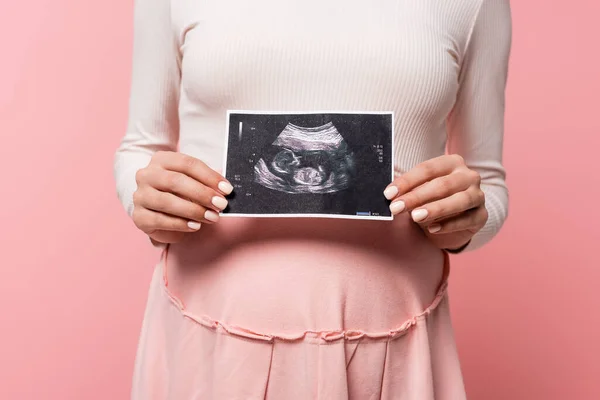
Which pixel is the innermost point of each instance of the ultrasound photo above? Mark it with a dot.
(309, 164)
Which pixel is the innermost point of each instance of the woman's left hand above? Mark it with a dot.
(444, 198)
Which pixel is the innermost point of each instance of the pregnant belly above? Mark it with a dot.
(284, 276)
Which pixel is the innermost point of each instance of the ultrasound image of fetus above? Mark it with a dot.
(306, 160)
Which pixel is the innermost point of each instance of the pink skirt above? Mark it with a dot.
(189, 349)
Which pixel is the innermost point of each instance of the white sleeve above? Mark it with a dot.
(476, 123)
(153, 122)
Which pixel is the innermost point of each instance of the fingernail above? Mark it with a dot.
(390, 192)
(397, 207)
(211, 216)
(419, 215)
(435, 228)
(194, 225)
(225, 187)
(219, 202)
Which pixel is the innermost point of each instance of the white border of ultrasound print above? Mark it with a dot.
(303, 215)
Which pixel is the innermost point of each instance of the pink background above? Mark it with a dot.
(75, 271)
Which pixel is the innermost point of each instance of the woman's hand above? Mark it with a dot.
(444, 198)
(175, 194)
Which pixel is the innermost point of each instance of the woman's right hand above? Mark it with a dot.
(175, 194)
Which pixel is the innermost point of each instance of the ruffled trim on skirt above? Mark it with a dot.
(308, 335)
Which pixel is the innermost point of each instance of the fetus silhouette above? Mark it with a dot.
(306, 160)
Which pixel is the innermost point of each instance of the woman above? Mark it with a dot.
(305, 308)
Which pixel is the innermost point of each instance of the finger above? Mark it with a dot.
(168, 203)
(432, 220)
(456, 203)
(187, 188)
(194, 168)
(424, 172)
(437, 189)
(471, 220)
(150, 221)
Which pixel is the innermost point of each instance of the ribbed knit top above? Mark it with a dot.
(439, 65)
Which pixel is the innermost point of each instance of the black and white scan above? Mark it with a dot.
(309, 164)
(307, 160)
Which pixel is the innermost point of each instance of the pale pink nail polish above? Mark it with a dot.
(194, 225)
(397, 207)
(390, 192)
(419, 214)
(211, 216)
(219, 202)
(435, 228)
(225, 187)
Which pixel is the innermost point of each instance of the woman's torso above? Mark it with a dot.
(289, 275)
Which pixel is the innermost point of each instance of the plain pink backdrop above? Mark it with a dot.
(75, 271)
